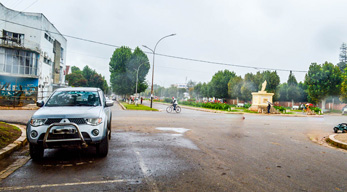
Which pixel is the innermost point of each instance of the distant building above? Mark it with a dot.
(32, 59)
(181, 85)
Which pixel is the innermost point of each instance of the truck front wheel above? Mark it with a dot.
(36, 152)
(102, 148)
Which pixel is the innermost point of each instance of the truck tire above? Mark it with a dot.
(36, 152)
(102, 148)
(109, 127)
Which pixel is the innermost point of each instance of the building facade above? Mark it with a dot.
(32, 56)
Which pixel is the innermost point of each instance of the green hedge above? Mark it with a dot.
(280, 108)
(316, 109)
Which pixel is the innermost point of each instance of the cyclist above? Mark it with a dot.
(174, 103)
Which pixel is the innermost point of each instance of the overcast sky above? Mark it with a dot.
(286, 34)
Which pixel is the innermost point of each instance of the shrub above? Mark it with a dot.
(280, 108)
(167, 100)
(247, 105)
(316, 109)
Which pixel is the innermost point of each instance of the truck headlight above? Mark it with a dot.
(94, 121)
(37, 122)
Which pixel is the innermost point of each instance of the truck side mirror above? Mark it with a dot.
(40, 103)
(109, 103)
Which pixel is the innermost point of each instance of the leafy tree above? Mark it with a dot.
(273, 80)
(294, 93)
(255, 80)
(205, 90)
(76, 80)
(172, 91)
(283, 92)
(303, 92)
(342, 66)
(138, 61)
(322, 81)
(246, 90)
(219, 83)
(234, 87)
(88, 74)
(291, 79)
(75, 69)
(343, 57)
(197, 89)
(123, 67)
(191, 84)
(181, 92)
(343, 97)
(86, 78)
(343, 53)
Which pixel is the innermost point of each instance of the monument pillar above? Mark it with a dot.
(261, 99)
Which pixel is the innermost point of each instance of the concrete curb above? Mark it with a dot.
(121, 105)
(331, 139)
(17, 144)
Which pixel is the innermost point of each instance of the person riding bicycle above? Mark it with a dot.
(174, 102)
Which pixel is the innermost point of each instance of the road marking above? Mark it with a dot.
(146, 171)
(65, 184)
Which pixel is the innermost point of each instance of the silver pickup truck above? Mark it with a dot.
(71, 117)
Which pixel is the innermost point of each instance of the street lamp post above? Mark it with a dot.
(137, 77)
(153, 51)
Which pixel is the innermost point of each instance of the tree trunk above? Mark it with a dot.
(323, 105)
(292, 103)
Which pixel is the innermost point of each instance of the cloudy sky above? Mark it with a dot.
(286, 34)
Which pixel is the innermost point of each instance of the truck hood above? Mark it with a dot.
(68, 112)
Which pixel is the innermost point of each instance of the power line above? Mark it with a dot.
(30, 5)
(22, 10)
(164, 55)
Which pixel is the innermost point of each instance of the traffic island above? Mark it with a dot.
(338, 140)
(11, 144)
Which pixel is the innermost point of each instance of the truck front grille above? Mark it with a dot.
(78, 121)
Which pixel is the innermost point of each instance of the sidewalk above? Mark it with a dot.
(339, 140)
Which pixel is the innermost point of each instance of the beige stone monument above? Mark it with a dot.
(261, 99)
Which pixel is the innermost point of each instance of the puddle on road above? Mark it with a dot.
(177, 130)
(177, 139)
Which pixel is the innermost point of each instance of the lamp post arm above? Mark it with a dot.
(162, 39)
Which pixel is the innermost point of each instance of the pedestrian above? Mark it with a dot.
(268, 107)
(141, 100)
(174, 103)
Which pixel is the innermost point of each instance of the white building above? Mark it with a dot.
(181, 85)
(32, 54)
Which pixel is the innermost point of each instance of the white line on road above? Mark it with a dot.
(145, 172)
(65, 184)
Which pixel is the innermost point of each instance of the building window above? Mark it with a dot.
(47, 61)
(14, 38)
(61, 54)
(19, 62)
(49, 38)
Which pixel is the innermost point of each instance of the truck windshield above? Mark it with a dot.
(74, 98)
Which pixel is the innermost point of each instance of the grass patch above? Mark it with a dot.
(289, 113)
(249, 111)
(8, 134)
(138, 107)
(296, 110)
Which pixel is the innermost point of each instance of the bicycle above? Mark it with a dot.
(170, 108)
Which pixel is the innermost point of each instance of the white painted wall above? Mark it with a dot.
(35, 40)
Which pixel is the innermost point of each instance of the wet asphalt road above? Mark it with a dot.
(219, 152)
